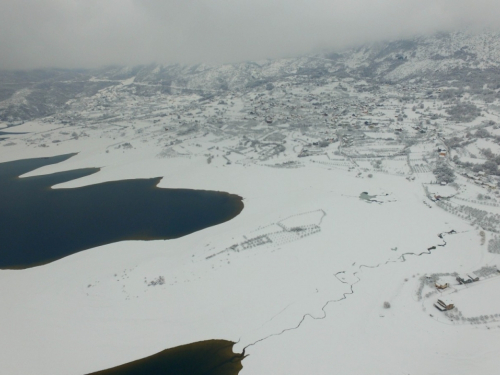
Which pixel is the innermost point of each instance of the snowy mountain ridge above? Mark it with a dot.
(393, 60)
(438, 58)
(443, 52)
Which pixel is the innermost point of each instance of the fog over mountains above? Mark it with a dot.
(92, 33)
(464, 59)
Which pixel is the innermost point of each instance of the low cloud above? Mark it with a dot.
(91, 33)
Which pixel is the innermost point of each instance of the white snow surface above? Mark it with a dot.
(94, 310)
(300, 277)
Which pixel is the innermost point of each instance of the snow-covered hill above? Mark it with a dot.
(434, 59)
(430, 56)
(369, 242)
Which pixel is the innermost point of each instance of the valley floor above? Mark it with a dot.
(333, 266)
(299, 278)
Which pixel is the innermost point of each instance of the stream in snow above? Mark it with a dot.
(40, 224)
(211, 357)
(9, 133)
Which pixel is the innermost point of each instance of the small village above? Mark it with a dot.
(458, 297)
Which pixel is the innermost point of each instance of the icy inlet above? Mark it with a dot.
(40, 224)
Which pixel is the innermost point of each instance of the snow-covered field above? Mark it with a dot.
(305, 301)
(348, 237)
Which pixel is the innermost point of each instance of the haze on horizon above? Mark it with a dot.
(92, 33)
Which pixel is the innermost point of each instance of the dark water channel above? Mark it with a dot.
(212, 357)
(10, 133)
(39, 224)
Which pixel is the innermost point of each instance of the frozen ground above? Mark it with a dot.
(308, 300)
(334, 264)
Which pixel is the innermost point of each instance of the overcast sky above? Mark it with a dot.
(90, 33)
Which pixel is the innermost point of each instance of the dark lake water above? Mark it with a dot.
(10, 133)
(39, 224)
(212, 357)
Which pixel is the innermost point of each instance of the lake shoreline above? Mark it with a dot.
(41, 224)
